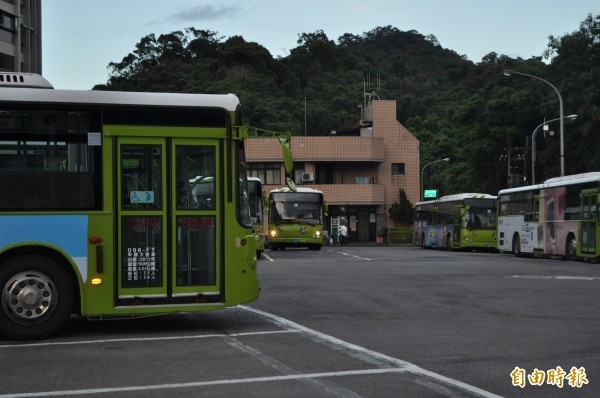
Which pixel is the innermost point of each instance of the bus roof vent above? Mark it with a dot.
(29, 80)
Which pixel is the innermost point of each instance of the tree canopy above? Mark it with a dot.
(467, 111)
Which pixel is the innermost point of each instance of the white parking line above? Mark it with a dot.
(203, 383)
(142, 339)
(267, 257)
(351, 255)
(398, 365)
(558, 277)
(402, 365)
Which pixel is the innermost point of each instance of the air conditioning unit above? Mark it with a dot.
(308, 177)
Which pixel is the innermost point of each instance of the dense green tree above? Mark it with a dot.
(469, 112)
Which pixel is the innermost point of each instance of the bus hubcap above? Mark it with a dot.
(27, 296)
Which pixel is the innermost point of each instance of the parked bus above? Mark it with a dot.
(296, 218)
(466, 220)
(556, 218)
(256, 213)
(119, 204)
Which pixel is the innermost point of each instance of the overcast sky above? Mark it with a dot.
(81, 37)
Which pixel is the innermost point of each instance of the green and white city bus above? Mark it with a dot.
(466, 220)
(119, 204)
(296, 218)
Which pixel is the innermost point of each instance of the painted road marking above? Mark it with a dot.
(558, 277)
(143, 339)
(351, 255)
(267, 257)
(203, 383)
(400, 364)
(372, 357)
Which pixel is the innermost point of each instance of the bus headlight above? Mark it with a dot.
(318, 233)
(273, 233)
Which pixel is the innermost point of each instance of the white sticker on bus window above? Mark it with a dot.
(94, 139)
(141, 197)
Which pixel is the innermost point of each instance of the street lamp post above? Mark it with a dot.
(423, 169)
(571, 117)
(508, 72)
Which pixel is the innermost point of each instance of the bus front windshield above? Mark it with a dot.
(296, 207)
(481, 218)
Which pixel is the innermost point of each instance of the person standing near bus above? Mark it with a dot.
(343, 235)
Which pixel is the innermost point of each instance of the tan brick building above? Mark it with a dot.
(360, 175)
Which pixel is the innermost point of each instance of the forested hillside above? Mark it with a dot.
(468, 111)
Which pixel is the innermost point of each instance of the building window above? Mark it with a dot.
(8, 21)
(398, 168)
(298, 171)
(269, 173)
(7, 37)
(7, 63)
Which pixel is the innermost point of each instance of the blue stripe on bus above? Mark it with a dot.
(67, 232)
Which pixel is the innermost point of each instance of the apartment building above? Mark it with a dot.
(360, 173)
(21, 36)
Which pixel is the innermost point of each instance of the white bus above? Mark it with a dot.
(556, 218)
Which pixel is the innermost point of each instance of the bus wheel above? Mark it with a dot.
(258, 254)
(36, 298)
(571, 248)
(516, 246)
(448, 242)
(273, 247)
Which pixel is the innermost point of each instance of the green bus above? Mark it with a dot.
(296, 218)
(460, 221)
(119, 204)
(256, 213)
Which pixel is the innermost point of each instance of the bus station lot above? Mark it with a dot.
(345, 322)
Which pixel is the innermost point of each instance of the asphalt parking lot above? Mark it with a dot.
(352, 322)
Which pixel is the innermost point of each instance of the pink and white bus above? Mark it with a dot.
(556, 218)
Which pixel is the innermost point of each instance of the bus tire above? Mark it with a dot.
(448, 242)
(258, 254)
(571, 249)
(314, 247)
(516, 246)
(36, 298)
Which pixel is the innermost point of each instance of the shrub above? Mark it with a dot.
(399, 236)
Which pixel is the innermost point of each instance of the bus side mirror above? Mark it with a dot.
(286, 149)
(325, 209)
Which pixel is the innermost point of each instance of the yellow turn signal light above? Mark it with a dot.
(96, 281)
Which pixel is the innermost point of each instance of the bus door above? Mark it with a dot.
(168, 222)
(538, 242)
(459, 213)
(589, 221)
